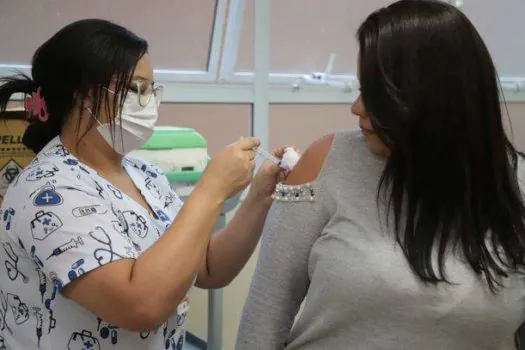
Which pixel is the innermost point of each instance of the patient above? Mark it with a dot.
(408, 234)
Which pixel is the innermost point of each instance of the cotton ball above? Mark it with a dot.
(290, 158)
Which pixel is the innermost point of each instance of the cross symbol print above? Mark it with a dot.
(46, 221)
(47, 197)
(88, 344)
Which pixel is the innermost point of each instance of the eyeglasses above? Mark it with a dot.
(145, 90)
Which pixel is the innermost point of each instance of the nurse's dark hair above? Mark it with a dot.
(450, 183)
(80, 60)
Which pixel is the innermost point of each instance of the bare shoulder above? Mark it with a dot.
(308, 167)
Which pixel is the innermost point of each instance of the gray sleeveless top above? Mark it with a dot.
(330, 275)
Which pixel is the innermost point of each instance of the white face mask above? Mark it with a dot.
(134, 127)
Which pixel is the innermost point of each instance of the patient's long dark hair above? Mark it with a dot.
(80, 60)
(431, 90)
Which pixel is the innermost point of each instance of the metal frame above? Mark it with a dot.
(280, 94)
(235, 87)
(234, 25)
(261, 102)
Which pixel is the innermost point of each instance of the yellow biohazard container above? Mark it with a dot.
(14, 156)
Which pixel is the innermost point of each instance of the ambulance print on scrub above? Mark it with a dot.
(58, 150)
(44, 224)
(86, 210)
(42, 171)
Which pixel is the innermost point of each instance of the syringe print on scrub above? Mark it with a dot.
(71, 244)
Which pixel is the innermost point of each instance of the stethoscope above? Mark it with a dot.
(12, 264)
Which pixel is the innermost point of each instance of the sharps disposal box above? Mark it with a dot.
(14, 156)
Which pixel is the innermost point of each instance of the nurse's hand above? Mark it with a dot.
(269, 174)
(231, 170)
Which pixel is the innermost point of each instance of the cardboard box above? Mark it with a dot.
(14, 156)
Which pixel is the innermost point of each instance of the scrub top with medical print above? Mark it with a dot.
(59, 220)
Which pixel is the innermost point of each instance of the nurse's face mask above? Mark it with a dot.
(137, 119)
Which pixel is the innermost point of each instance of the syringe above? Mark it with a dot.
(287, 163)
(267, 155)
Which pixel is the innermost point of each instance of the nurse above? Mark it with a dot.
(97, 251)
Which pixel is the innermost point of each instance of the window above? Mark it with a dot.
(303, 35)
(184, 36)
(501, 25)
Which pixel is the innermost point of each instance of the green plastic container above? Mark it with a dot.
(172, 138)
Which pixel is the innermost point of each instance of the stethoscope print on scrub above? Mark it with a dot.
(107, 254)
(11, 264)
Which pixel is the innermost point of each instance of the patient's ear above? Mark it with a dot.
(308, 167)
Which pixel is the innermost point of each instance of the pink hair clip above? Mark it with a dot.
(36, 105)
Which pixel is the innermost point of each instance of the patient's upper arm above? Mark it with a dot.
(308, 167)
(281, 278)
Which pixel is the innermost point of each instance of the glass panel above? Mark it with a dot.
(502, 26)
(179, 32)
(305, 32)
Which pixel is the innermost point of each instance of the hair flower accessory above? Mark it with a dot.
(37, 105)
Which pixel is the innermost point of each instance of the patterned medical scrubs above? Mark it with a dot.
(59, 220)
